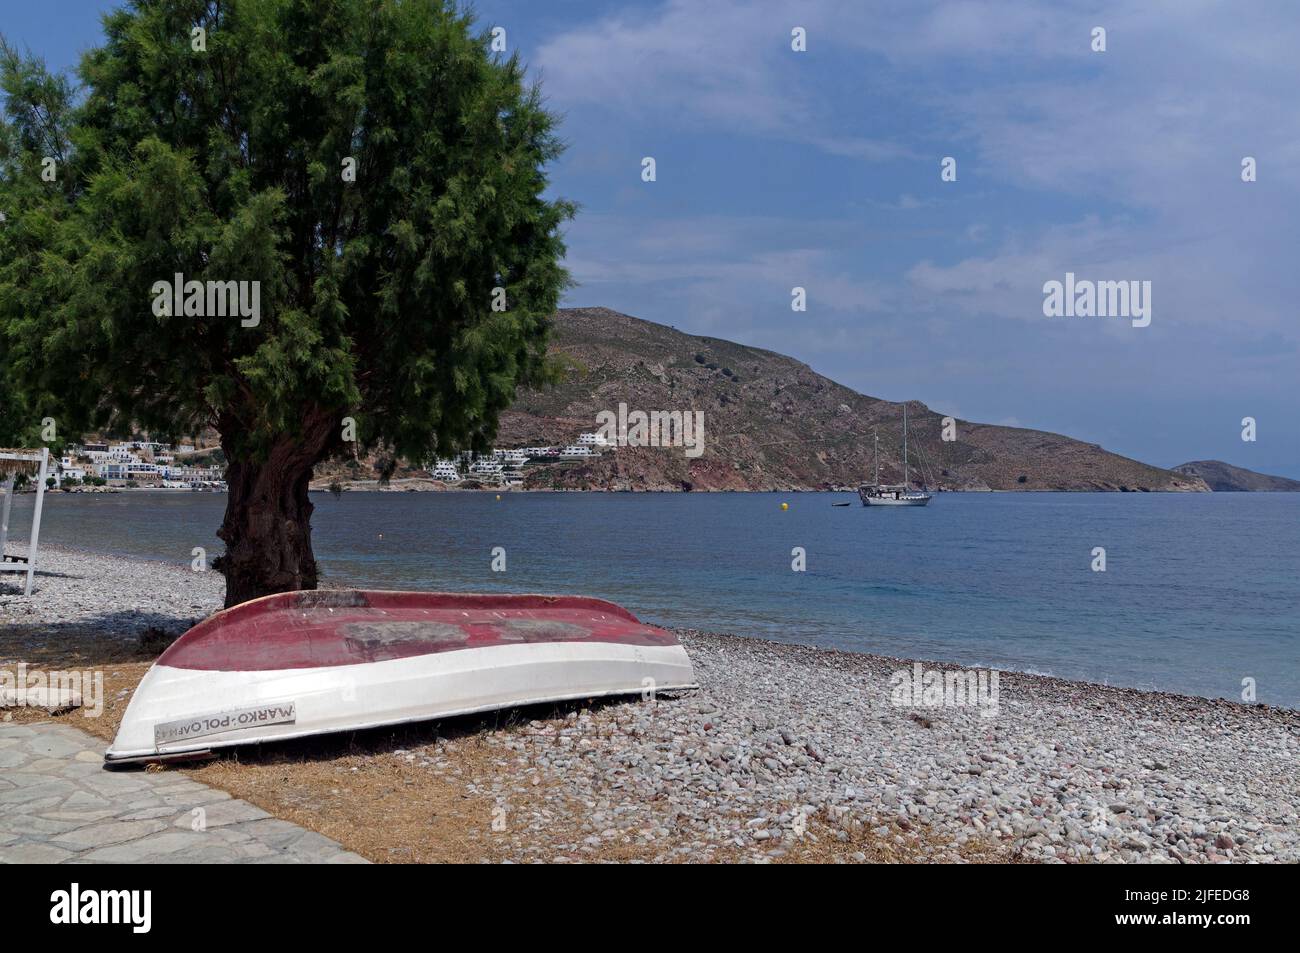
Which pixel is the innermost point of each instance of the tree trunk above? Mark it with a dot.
(267, 527)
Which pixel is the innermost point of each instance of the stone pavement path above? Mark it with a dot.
(58, 804)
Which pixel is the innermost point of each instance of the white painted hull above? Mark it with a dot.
(395, 691)
(905, 501)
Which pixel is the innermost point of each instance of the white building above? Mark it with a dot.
(592, 440)
(445, 470)
(69, 471)
(485, 469)
(96, 452)
(131, 470)
(196, 474)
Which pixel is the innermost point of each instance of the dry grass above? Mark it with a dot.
(382, 793)
(122, 664)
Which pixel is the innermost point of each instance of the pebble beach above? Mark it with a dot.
(787, 746)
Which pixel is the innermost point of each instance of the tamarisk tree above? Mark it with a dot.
(318, 226)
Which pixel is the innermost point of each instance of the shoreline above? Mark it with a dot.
(1065, 771)
(211, 584)
(424, 485)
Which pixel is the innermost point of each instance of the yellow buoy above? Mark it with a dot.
(498, 496)
(785, 506)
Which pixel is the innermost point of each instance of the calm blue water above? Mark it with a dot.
(1201, 590)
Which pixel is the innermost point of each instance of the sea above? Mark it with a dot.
(1199, 594)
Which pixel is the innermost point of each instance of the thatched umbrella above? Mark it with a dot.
(18, 461)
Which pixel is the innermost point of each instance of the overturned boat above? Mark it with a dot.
(310, 663)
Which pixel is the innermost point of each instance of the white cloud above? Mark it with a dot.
(723, 64)
(1123, 166)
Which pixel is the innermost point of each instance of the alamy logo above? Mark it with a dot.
(1099, 299)
(56, 689)
(208, 299)
(75, 906)
(920, 687)
(658, 428)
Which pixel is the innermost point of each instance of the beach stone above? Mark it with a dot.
(1062, 772)
(29, 852)
(221, 813)
(52, 699)
(82, 800)
(123, 818)
(102, 835)
(42, 789)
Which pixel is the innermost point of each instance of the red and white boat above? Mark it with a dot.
(309, 663)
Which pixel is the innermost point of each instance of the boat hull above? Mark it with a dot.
(876, 495)
(384, 659)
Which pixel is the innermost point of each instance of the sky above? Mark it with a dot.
(820, 169)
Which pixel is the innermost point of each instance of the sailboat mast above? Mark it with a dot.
(905, 483)
(877, 436)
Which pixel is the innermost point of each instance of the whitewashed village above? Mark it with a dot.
(148, 464)
(505, 467)
(135, 463)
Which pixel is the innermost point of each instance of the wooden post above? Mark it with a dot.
(36, 518)
(4, 515)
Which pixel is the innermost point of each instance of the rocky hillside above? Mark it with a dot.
(772, 423)
(1224, 477)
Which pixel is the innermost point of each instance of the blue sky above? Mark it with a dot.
(821, 169)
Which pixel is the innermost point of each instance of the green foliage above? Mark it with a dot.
(225, 165)
(18, 427)
(28, 131)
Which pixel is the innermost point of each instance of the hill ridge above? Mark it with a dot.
(1226, 478)
(773, 423)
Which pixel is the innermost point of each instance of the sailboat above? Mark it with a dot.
(892, 494)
